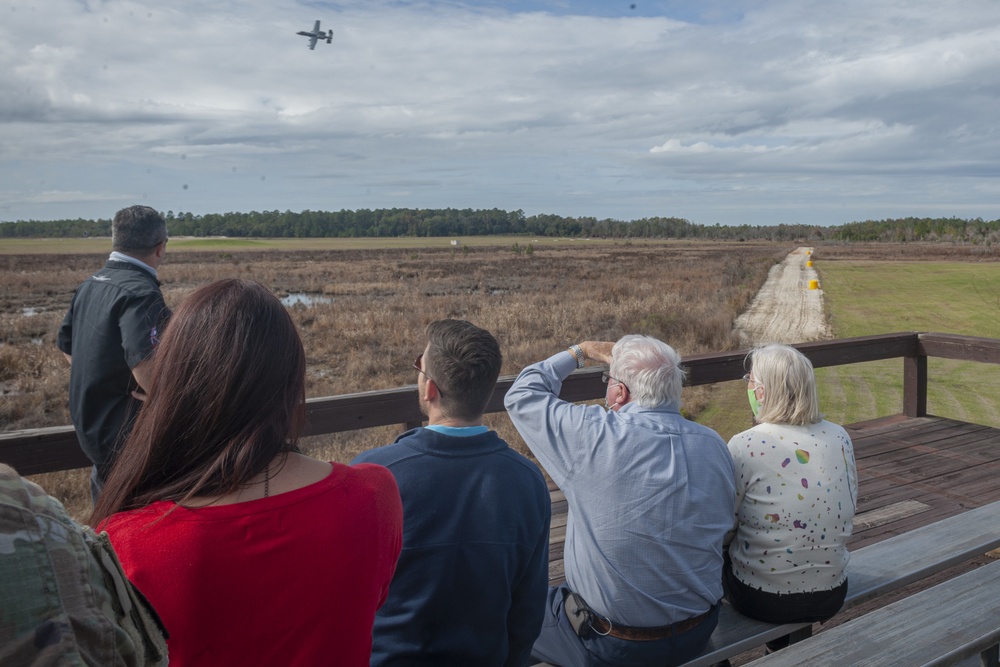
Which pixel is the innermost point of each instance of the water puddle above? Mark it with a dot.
(304, 299)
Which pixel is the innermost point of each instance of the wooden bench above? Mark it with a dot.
(873, 571)
(939, 626)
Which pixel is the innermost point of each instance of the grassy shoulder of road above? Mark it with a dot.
(864, 298)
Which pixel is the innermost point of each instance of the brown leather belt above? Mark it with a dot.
(602, 627)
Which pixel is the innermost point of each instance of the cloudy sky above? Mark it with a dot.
(741, 111)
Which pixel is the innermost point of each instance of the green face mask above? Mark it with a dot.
(754, 403)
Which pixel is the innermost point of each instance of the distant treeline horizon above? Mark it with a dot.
(404, 222)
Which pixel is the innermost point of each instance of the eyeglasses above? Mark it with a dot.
(418, 365)
(748, 380)
(605, 376)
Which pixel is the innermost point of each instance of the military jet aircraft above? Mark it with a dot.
(316, 35)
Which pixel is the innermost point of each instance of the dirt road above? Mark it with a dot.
(786, 310)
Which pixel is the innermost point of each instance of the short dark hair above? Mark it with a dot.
(137, 229)
(227, 395)
(464, 361)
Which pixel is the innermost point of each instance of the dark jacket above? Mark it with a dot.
(471, 581)
(113, 323)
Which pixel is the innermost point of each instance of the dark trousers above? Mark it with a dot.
(780, 608)
(558, 644)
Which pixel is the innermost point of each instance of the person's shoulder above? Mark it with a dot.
(371, 475)
(129, 277)
(376, 484)
(830, 428)
(692, 429)
(748, 434)
(363, 470)
(46, 546)
(523, 464)
(385, 455)
(136, 522)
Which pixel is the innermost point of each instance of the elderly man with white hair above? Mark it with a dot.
(651, 496)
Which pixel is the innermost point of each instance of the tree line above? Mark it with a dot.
(396, 222)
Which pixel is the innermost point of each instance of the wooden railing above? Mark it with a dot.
(56, 448)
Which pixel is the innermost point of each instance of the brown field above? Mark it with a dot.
(379, 300)
(366, 336)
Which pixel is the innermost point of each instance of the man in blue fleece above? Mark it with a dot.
(472, 579)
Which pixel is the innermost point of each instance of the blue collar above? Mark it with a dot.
(458, 431)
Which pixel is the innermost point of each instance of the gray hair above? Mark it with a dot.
(790, 395)
(650, 369)
(137, 229)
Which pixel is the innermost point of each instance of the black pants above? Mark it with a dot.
(781, 608)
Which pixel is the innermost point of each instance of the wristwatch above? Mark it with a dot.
(577, 352)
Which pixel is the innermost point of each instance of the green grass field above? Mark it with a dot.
(869, 298)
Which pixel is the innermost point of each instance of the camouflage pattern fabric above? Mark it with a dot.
(64, 599)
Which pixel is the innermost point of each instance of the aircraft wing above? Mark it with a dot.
(315, 35)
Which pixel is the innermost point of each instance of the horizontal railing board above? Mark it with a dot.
(56, 448)
(966, 348)
(42, 450)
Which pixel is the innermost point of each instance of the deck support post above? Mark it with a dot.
(915, 386)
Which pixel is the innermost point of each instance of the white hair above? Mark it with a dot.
(650, 369)
(790, 395)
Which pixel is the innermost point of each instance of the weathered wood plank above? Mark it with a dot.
(951, 346)
(870, 446)
(937, 443)
(42, 450)
(938, 626)
(877, 569)
(888, 514)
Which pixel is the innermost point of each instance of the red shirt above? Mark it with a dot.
(293, 579)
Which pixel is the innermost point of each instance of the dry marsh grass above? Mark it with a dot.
(367, 335)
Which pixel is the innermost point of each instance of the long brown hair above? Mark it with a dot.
(227, 395)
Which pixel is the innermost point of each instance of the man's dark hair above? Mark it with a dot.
(137, 229)
(464, 361)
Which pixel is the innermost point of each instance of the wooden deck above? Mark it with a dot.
(916, 470)
(912, 471)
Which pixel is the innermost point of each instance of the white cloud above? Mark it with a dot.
(713, 116)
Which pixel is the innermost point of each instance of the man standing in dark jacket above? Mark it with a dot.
(471, 581)
(109, 333)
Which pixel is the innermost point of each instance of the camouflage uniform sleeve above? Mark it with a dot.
(63, 596)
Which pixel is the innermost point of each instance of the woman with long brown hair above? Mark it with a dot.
(251, 552)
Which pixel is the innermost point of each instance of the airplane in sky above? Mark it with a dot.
(316, 35)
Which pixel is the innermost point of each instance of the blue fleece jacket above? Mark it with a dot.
(471, 581)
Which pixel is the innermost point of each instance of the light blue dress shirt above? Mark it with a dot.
(651, 496)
